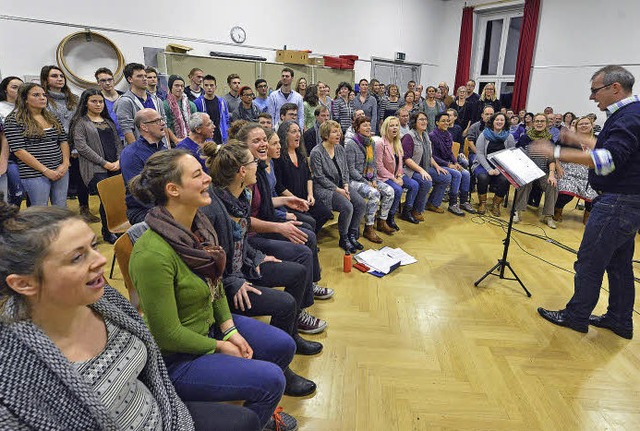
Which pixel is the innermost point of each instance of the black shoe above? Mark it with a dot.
(560, 318)
(354, 241)
(407, 216)
(297, 386)
(306, 347)
(606, 323)
(392, 223)
(346, 245)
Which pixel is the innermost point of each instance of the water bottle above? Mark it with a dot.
(346, 263)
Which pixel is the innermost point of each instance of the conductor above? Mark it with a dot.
(608, 241)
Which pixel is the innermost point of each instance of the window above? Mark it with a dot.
(496, 51)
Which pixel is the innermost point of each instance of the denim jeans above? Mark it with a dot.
(460, 181)
(423, 190)
(16, 190)
(259, 382)
(607, 245)
(42, 189)
(440, 184)
(412, 190)
(220, 416)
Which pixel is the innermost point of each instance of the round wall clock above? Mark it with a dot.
(238, 35)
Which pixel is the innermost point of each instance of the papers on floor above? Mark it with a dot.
(518, 168)
(383, 261)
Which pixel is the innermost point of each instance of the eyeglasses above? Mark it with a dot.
(247, 95)
(252, 161)
(105, 81)
(540, 121)
(157, 121)
(595, 90)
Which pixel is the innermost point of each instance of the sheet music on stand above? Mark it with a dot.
(516, 166)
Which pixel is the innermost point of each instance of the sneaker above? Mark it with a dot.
(307, 324)
(455, 209)
(468, 208)
(281, 421)
(548, 220)
(320, 292)
(516, 217)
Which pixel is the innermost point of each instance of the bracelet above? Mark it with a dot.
(556, 152)
(228, 331)
(45, 170)
(230, 334)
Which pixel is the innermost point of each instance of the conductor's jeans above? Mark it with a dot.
(607, 245)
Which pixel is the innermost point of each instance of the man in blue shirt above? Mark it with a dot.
(150, 125)
(609, 236)
(261, 100)
(200, 131)
(286, 95)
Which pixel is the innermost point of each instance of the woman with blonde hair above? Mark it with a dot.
(301, 86)
(389, 165)
(489, 97)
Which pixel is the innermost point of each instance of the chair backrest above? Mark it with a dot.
(455, 148)
(466, 148)
(112, 196)
(122, 251)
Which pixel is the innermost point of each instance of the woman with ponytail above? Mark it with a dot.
(176, 267)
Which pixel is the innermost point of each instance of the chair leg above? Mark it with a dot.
(113, 263)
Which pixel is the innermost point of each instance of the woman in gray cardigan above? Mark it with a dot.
(363, 179)
(74, 354)
(331, 185)
(95, 138)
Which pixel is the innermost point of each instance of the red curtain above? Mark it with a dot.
(464, 49)
(525, 54)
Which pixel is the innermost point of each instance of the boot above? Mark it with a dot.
(465, 204)
(557, 214)
(296, 385)
(407, 216)
(495, 211)
(383, 227)
(353, 239)
(585, 217)
(346, 245)
(482, 206)
(391, 222)
(371, 235)
(88, 216)
(417, 215)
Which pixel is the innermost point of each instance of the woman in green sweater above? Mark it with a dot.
(175, 266)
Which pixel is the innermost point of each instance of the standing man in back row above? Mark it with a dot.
(233, 96)
(368, 104)
(286, 95)
(609, 236)
(135, 99)
(216, 107)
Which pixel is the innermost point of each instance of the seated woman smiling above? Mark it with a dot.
(176, 267)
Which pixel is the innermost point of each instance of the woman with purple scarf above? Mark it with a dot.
(442, 141)
(362, 177)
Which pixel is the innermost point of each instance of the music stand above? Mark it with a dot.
(499, 268)
(520, 170)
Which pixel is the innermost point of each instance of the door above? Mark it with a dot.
(389, 72)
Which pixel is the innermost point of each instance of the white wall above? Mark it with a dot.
(575, 38)
(328, 27)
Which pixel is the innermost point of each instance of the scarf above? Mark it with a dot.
(534, 135)
(198, 249)
(365, 144)
(495, 137)
(238, 207)
(181, 114)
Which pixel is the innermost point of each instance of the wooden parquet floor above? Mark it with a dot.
(423, 349)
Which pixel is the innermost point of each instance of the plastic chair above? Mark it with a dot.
(112, 194)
